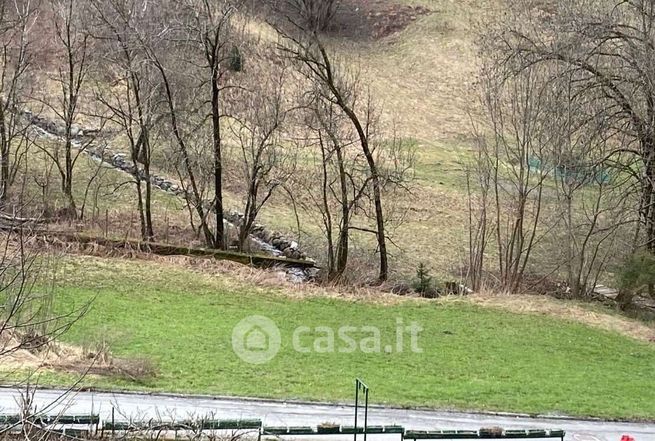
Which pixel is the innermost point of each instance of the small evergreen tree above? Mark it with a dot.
(423, 282)
(236, 60)
(636, 276)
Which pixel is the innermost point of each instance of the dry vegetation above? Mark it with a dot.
(420, 74)
(596, 317)
(423, 77)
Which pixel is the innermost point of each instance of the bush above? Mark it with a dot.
(137, 369)
(638, 272)
(636, 275)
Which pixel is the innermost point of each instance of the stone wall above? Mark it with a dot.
(269, 241)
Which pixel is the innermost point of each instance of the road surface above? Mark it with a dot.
(273, 413)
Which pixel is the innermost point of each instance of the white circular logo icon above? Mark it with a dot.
(256, 339)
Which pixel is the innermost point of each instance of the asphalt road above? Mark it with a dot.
(273, 413)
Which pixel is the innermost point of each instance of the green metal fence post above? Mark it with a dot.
(365, 412)
(356, 408)
(359, 384)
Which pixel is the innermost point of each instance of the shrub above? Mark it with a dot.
(636, 275)
(638, 272)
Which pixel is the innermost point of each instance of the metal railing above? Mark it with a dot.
(361, 386)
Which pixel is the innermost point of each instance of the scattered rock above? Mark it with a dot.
(456, 288)
(76, 131)
(274, 242)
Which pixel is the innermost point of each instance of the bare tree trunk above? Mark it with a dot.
(4, 158)
(250, 213)
(71, 79)
(149, 230)
(327, 215)
(141, 154)
(364, 144)
(67, 181)
(648, 195)
(218, 164)
(377, 195)
(344, 229)
(15, 21)
(198, 202)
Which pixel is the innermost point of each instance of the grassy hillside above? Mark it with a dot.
(421, 79)
(480, 352)
(472, 357)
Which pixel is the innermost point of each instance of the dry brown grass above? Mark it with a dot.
(242, 276)
(51, 354)
(422, 78)
(424, 74)
(98, 261)
(63, 357)
(588, 314)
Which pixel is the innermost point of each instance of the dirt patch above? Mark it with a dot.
(69, 358)
(360, 20)
(16, 355)
(372, 19)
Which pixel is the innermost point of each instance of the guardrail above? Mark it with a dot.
(485, 434)
(89, 426)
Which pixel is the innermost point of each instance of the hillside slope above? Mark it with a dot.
(180, 315)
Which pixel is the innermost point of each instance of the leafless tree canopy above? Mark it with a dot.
(567, 144)
(190, 90)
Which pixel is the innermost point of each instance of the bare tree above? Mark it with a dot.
(124, 28)
(606, 47)
(30, 322)
(317, 14)
(266, 163)
(305, 46)
(17, 20)
(211, 30)
(342, 184)
(547, 177)
(73, 43)
(592, 196)
(187, 141)
(336, 181)
(340, 202)
(193, 57)
(28, 319)
(513, 166)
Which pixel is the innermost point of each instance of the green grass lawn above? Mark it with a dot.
(473, 358)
